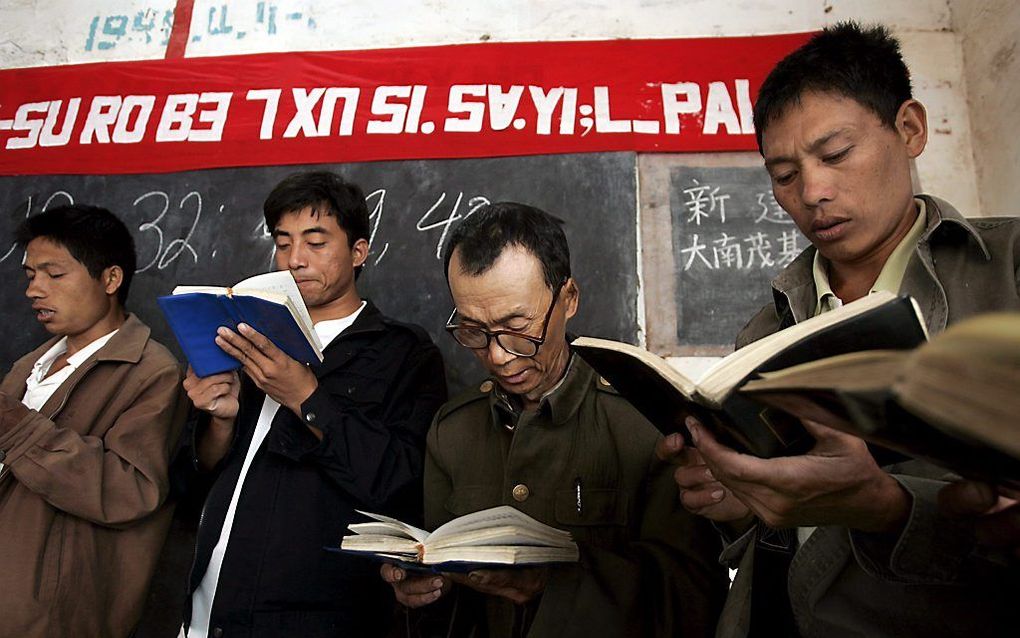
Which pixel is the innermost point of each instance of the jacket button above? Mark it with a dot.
(310, 417)
(217, 632)
(604, 382)
(486, 387)
(521, 493)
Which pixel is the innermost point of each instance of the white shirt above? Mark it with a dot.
(39, 388)
(203, 598)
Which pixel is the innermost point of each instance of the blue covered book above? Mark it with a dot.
(270, 303)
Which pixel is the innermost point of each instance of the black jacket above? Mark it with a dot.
(379, 386)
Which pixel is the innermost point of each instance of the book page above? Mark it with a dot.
(718, 380)
(410, 531)
(503, 515)
(281, 282)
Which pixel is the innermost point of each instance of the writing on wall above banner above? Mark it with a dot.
(475, 100)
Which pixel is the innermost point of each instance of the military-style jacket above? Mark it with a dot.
(583, 462)
(931, 580)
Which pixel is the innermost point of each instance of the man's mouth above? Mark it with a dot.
(43, 314)
(829, 229)
(514, 379)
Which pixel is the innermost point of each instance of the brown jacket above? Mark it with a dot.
(82, 496)
(931, 580)
(583, 462)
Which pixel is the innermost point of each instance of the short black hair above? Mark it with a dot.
(482, 238)
(94, 236)
(863, 64)
(325, 193)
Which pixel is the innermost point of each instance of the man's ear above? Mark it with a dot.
(912, 127)
(571, 297)
(359, 252)
(112, 278)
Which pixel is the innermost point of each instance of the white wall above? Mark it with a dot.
(988, 31)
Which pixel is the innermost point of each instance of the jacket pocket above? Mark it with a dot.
(594, 507)
(52, 561)
(361, 389)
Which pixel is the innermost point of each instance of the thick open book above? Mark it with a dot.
(665, 396)
(954, 401)
(271, 303)
(499, 536)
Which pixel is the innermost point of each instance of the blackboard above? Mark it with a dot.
(205, 227)
(724, 238)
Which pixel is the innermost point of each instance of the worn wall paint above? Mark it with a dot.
(988, 32)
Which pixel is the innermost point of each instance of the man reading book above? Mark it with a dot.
(871, 554)
(88, 422)
(545, 435)
(293, 450)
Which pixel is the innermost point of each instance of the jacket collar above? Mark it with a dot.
(793, 290)
(559, 404)
(341, 350)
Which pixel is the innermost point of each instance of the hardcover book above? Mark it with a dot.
(665, 396)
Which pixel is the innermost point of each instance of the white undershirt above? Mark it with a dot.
(203, 598)
(39, 388)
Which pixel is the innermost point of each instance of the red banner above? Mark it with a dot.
(476, 100)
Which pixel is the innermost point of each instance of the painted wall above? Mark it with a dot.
(988, 31)
(39, 32)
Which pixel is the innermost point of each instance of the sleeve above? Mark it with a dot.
(931, 549)
(112, 480)
(665, 583)
(373, 450)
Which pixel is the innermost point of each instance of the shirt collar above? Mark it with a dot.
(889, 279)
(329, 329)
(558, 403)
(42, 366)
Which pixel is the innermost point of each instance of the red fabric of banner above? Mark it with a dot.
(477, 100)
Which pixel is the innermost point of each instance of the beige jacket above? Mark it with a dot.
(931, 580)
(82, 499)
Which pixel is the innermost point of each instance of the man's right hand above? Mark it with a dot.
(700, 492)
(216, 394)
(412, 589)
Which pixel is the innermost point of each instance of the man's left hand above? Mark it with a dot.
(283, 379)
(518, 585)
(837, 482)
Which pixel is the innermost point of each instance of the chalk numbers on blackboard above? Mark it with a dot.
(190, 204)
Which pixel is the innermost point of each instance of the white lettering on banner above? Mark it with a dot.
(475, 110)
(102, 115)
(545, 104)
(604, 122)
(175, 123)
(49, 136)
(304, 118)
(673, 107)
(122, 134)
(719, 110)
(31, 126)
(744, 106)
(272, 100)
(397, 112)
(503, 107)
(350, 96)
(216, 117)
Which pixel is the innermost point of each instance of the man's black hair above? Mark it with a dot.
(863, 64)
(94, 236)
(326, 194)
(482, 238)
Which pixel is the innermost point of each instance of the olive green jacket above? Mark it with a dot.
(647, 567)
(931, 580)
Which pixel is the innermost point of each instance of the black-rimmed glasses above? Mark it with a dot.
(516, 343)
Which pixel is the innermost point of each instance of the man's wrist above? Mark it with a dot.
(887, 507)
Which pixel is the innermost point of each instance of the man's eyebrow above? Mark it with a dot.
(307, 231)
(517, 314)
(44, 265)
(812, 147)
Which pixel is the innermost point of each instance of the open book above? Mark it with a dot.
(499, 536)
(954, 401)
(271, 303)
(665, 396)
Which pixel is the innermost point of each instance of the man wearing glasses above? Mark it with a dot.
(547, 436)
